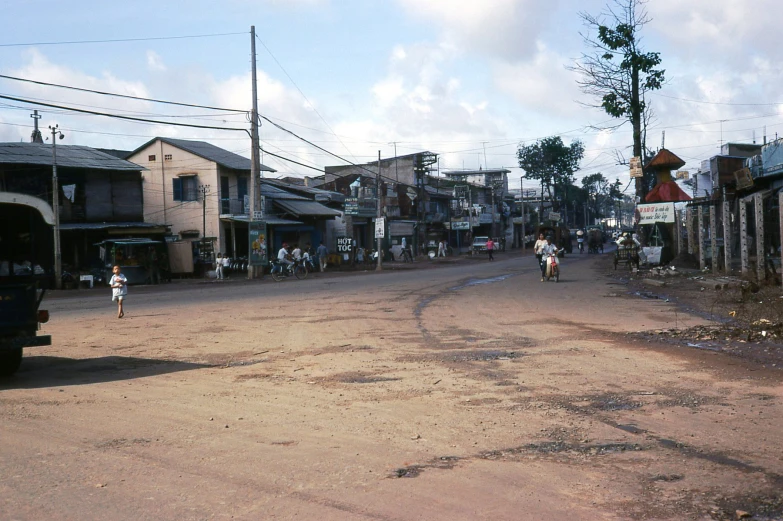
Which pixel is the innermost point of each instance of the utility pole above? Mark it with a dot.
(58, 258)
(204, 191)
(524, 215)
(378, 214)
(255, 163)
(36, 136)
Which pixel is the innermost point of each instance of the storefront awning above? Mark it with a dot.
(268, 219)
(306, 208)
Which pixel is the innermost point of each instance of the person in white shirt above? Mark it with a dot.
(546, 250)
(282, 255)
(219, 267)
(226, 264)
(540, 243)
(297, 253)
(119, 289)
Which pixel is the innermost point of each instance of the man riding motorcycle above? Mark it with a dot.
(547, 250)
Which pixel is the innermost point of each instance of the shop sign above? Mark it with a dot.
(344, 244)
(257, 243)
(460, 225)
(656, 213)
(554, 216)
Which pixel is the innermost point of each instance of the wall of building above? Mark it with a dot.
(157, 186)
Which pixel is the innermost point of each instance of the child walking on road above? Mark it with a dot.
(119, 289)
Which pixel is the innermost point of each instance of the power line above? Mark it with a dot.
(126, 96)
(119, 40)
(118, 116)
(718, 102)
(303, 95)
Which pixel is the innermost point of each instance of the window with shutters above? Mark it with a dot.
(151, 157)
(185, 188)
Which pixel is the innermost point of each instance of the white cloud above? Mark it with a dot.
(504, 28)
(155, 62)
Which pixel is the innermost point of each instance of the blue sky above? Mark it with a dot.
(456, 77)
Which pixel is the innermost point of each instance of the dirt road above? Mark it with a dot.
(467, 392)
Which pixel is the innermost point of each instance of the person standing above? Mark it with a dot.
(441, 248)
(226, 264)
(538, 246)
(490, 248)
(119, 289)
(219, 267)
(322, 253)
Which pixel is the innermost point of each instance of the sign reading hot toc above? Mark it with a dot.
(656, 213)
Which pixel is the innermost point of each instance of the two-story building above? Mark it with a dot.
(99, 195)
(198, 189)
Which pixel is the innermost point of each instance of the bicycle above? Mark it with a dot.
(280, 270)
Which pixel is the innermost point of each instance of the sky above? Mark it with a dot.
(470, 81)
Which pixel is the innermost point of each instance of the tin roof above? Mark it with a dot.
(74, 156)
(208, 151)
(306, 209)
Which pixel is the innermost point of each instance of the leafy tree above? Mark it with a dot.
(601, 194)
(553, 164)
(618, 72)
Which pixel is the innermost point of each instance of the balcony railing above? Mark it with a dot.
(232, 207)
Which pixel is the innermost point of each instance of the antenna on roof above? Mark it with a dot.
(663, 139)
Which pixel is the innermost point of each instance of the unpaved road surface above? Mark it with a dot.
(472, 391)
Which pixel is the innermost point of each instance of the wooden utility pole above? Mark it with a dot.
(255, 163)
(379, 214)
(714, 239)
(689, 229)
(524, 220)
(58, 257)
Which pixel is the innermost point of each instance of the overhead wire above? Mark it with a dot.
(120, 40)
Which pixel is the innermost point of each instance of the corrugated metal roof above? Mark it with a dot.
(208, 151)
(106, 226)
(74, 156)
(274, 192)
(306, 208)
(318, 193)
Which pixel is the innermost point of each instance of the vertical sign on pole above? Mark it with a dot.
(257, 244)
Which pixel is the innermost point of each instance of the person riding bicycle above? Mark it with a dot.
(547, 250)
(580, 240)
(283, 255)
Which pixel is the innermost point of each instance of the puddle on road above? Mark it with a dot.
(478, 282)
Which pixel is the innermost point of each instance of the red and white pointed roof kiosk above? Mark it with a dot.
(657, 215)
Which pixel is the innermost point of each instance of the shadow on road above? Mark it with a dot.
(54, 371)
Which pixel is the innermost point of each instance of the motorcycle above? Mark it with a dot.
(552, 267)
